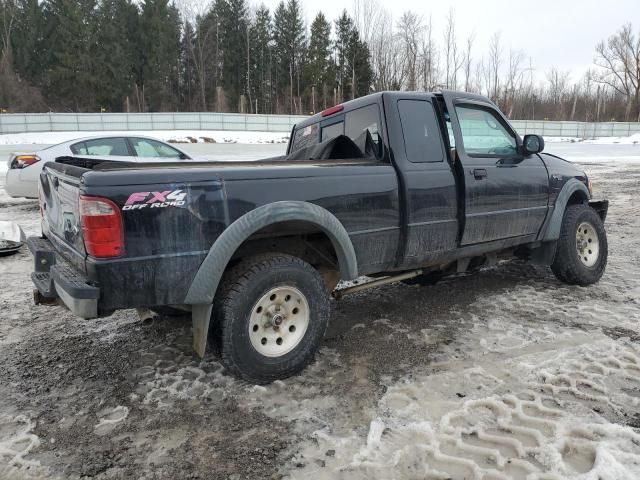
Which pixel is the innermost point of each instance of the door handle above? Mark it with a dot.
(479, 173)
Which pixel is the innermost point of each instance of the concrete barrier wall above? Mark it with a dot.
(65, 122)
(88, 122)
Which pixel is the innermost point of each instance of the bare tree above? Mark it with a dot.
(479, 75)
(367, 16)
(513, 82)
(493, 67)
(429, 60)
(619, 62)
(8, 14)
(467, 63)
(453, 60)
(410, 30)
(386, 55)
(558, 83)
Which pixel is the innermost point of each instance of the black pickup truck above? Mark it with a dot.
(392, 186)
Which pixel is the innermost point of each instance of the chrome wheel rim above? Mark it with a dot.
(587, 244)
(278, 322)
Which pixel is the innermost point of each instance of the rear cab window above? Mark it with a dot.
(356, 124)
(332, 131)
(306, 136)
(422, 139)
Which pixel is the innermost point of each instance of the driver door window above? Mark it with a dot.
(483, 133)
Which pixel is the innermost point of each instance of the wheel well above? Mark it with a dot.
(577, 197)
(300, 239)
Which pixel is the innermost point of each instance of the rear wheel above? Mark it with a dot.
(581, 254)
(270, 316)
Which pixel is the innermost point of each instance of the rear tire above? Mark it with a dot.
(270, 316)
(582, 250)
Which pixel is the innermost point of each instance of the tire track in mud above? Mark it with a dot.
(559, 423)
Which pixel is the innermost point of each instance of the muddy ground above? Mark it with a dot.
(503, 374)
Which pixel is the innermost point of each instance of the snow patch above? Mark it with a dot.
(630, 140)
(110, 418)
(178, 136)
(17, 440)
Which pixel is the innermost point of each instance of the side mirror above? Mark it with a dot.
(532, 144)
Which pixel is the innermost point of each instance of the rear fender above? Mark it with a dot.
(205, 284)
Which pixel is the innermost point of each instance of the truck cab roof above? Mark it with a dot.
(377, 98)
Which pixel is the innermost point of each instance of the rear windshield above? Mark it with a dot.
(354, 124)
(305, 137)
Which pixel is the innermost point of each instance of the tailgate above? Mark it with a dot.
(59, 195)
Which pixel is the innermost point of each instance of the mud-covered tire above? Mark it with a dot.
(569, 265)
(242, 288)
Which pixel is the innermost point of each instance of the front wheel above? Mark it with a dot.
(581, 254)
(270, 316)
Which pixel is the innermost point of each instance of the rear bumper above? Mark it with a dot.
(56, 279)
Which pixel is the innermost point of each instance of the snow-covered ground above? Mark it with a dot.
(179, 136)
(505, 374)
(630, 140)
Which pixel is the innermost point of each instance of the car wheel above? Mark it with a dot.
(270, 317)
(581, 253)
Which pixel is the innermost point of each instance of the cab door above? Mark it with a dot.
(506, 192)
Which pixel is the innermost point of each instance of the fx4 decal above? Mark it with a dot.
(168, 198)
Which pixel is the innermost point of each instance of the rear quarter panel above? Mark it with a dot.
(363, 196)
(170, 221)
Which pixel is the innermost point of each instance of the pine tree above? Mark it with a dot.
(116, 55)
(191, 98)
(353, 67)
(233, 43)
(318, 66)
(344, 31)
(160, 25)
(359, 62)
(27, 40)
(260, 56)
(289, 42)
(70, 39)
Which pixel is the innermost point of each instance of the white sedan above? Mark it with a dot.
(24, 168)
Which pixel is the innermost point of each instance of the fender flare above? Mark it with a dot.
(552, 231)
(206, 280)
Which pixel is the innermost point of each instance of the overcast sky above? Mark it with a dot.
(561, 33)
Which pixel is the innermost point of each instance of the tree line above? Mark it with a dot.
(230, 56)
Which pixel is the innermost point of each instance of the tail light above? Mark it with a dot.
(23, 161)
(101, 227)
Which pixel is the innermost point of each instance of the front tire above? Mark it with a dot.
(270, 317)
(582, 249)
